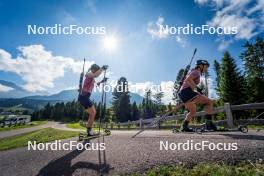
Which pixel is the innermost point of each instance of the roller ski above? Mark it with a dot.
(190, 130)
(91, 135)
(184, 129)
(240, 128)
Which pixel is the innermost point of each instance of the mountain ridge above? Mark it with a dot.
(20, 96)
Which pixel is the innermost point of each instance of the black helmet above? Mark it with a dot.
(202, 62)
(94, 67)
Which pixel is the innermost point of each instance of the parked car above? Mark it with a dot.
(7, 122)
(10, 120)
(2, 121)
(21, 121)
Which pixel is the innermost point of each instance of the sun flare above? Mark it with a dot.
(110, 42)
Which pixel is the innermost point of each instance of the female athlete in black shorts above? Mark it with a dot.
(190, 97)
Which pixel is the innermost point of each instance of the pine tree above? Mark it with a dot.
(158, 98)
(141, 110)
(147, 104)
(108, 115)
(231, 82)
(206, 89)
(98, 110)
(217, 69)
(169, 107)
(135, 112)
(177, 85)
(158, 102)
(253, 59)
(47, 111)
(121, 101)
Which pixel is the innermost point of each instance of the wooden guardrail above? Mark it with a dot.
(227, 108)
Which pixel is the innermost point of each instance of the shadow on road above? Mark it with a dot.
(243, 136)
(63, 167)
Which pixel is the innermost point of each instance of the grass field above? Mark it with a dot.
(256, 127)
(243, 169)
(75, 125)
(40, 136)
(32, 124)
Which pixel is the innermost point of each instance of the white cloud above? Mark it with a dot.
(4, 88)
(167, 88)
(258, 7)
(246, 26)
(154, 29)
(71, 88)
(201, 2)
(219, 3)
(181, 41)
(38, 67)
(246, 15)
(224, 43)
(215, 3)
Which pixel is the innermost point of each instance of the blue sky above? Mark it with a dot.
(140, 56)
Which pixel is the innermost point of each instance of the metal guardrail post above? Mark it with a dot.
(229, 116)
(159, 125)
(140, 123)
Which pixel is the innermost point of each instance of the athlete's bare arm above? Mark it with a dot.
(96, 74)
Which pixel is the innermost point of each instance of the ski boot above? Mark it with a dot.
(90, 133)
(210, 126)
(185, 127)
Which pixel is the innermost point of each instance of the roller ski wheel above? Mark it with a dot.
(81, 136)
(200, 130)
(175, 130)
(107, 132)
(243, 128)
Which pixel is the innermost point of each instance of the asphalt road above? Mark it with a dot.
(127, 155)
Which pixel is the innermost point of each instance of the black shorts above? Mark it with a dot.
(85, 100)
(187, 94)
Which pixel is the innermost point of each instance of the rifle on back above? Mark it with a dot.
(186, 71)
(81, 79)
